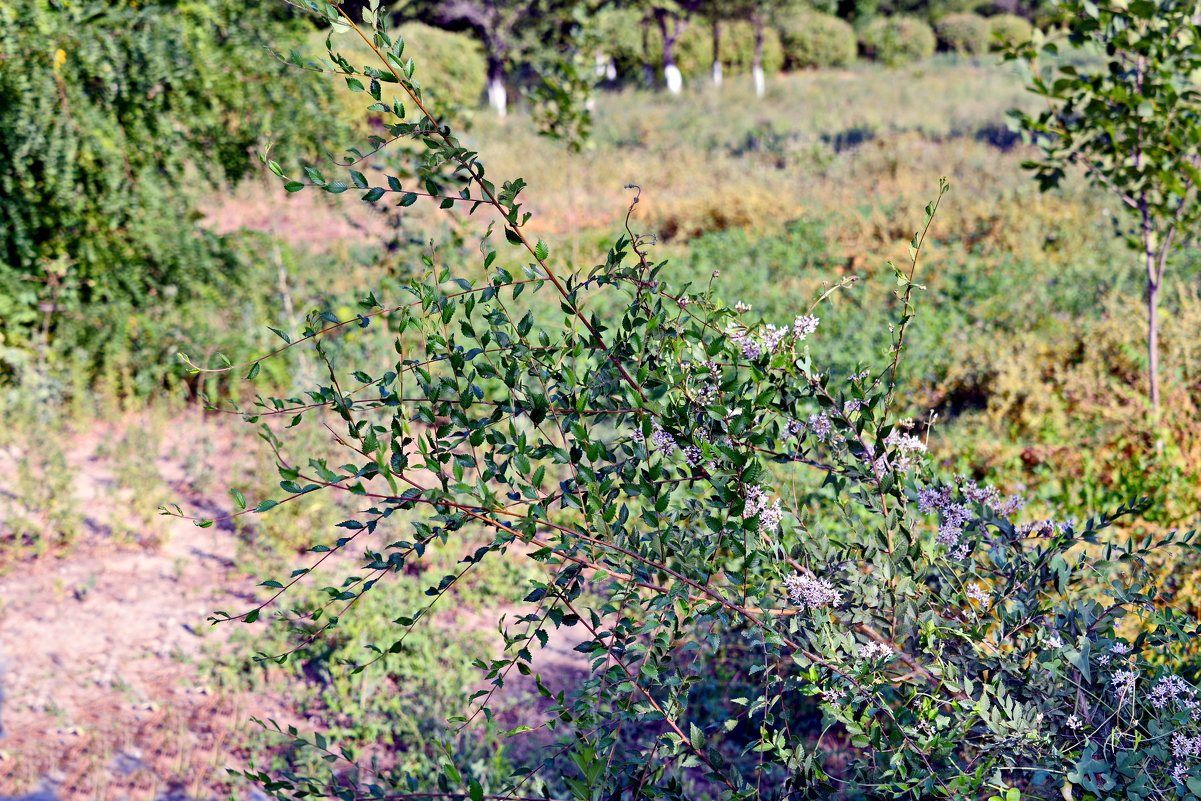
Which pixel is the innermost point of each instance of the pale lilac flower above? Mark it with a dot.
(808, 592)
(742, 308)
(1075, 723)
(1124, 679)
(756, 501)
(772, 337)
(692, 455)
(1183, 746)
(906, 446)
(931, 499)
(1180, 772)
(1170, 688)
(976, 593)
(662, 439)
(819, 424)
(769, 519)
(1120, 648)
(1103, 659)
(804, 325)
(795, 427)
(874, 650)
(1054, 641)
(851, 406)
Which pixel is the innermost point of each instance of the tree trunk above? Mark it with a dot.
(757, 64)
(498, 96)
(671, 73)
(717, 76)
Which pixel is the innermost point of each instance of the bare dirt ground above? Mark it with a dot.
(101, 694)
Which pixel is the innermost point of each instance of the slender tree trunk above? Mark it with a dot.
(717, 76)
(671, 73)
(757, 64)
(498, 96)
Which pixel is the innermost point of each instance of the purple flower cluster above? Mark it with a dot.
(808, 592)
(820, 425)
(753, 346)
(957, 514)
(906, 447)
(1172, 688)
(770, 515)
(875, 650)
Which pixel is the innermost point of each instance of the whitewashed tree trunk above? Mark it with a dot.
(717, 76)
(611, 70)
(498, 96)
(760, 81)
(675, 80)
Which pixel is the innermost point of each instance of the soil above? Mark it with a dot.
(102, 695)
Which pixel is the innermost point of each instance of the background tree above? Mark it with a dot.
(1133, 123)
(509, 30)
(760, 13)
(115, 115)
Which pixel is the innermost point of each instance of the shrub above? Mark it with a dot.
(1008, 30)
(816, 40)
(738, 47)
(752, 550)
(967, 34)
(116, 116)
(898, 40)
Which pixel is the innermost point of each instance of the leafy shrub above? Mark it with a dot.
(690, 484)
(898, 40)
(816, 40)
(1008, 30)
(115, 115)
(967, 34)
(738, 47)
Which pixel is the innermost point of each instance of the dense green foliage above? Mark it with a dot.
(115, 115)
(965, 33)
(898, 40)
(817, 40)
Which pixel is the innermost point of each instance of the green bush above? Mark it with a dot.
(738, 47)
(1005, 30)
(897, 40)
(966, 34)
(116, 118)
(816, 40)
